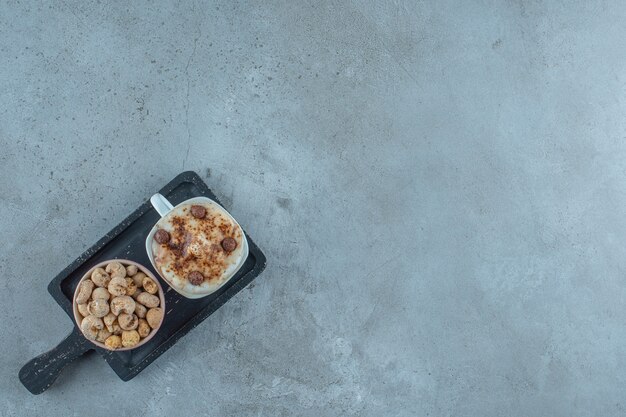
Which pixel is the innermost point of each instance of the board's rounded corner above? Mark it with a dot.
(188, 176)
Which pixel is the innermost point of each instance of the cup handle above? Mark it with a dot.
(161, 204)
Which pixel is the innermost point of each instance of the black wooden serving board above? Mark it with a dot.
(127, 241)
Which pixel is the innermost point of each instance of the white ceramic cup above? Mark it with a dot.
(164, 207)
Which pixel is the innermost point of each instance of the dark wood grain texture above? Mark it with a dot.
(41, 372)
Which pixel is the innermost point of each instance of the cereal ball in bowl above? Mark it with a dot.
(109, 310)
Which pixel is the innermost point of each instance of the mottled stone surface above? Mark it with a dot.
(439, 187)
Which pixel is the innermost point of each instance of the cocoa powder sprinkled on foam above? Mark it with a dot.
(183, 255)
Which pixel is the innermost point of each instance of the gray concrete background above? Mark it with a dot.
(439, 187)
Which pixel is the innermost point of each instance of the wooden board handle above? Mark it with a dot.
(39, 373)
